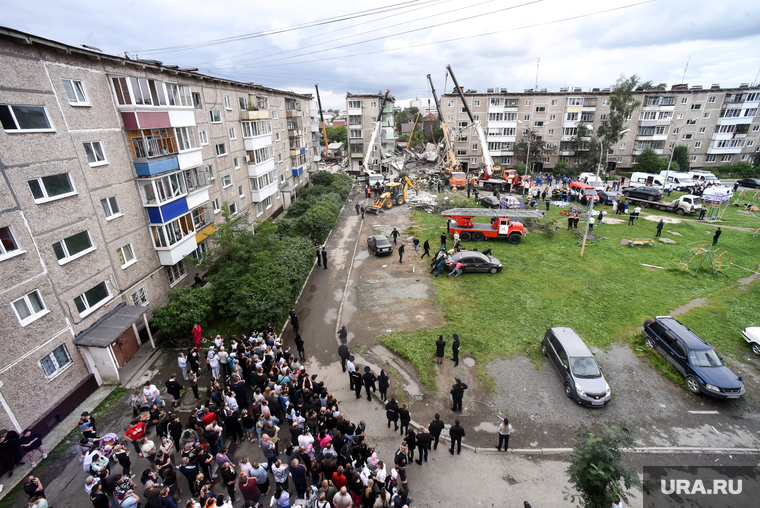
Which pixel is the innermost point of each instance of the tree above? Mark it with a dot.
(337, 133)
(538, 149)
(586, 150)
(596, 465)
(622, 105)
(756, 161)
(681, 156)
(187, 306)
(650, 162)
(436, 134)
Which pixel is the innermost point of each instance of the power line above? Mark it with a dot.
(253, 35)
(465, 37)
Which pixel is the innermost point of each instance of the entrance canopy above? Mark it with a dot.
(111, 326)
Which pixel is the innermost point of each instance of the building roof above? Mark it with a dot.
(110, 327)
(391, 98)
(29, 39)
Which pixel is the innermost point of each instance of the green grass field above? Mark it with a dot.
(605, 296)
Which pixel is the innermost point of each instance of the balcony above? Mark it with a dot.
(258, 142)
(354, 111)
(156, 165)
(257, 170)
(259, 195)
(261, 114)
(190, 158)
(170, 256)
(314, 127)
(297, 171)
(175, 238)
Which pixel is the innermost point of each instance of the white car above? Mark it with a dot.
(752, 335)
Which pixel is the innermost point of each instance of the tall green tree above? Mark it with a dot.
(622, 104)
(681, 157)
(650, 162)
(586, 148)
(187, 306)
(539, 149)
(597, 468)
(337, 133)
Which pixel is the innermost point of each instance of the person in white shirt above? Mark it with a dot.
(618, 503)
(505, 429)
(152, 395)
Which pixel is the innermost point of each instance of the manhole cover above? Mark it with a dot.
(469, 362)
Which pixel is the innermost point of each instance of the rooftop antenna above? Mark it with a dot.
(538, 62)
(756, 82)
(684, 71)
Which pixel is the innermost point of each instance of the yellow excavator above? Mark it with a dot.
(395, 194)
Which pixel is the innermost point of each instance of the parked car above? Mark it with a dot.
(489, 201)
(752, 336)
(692, 357)
(608, 197)
(475, 262)
(581, 375)
(379, 245)
(749, 183)
(648, 193)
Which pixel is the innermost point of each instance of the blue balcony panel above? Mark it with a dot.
(303, 150)
(167, 212)
(298, 171)
(152, 167)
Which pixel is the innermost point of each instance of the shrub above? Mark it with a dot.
(186, 307)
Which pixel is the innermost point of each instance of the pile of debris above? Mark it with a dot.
(424, 201)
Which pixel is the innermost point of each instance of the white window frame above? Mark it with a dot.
(526, 117)
(68, 258)
(110, 204)
(476, 103)
(701, 130)
(120, 253)
(46, 197)
(550, 132)
(59, 369)
(474, 146)
(687, 136)
(18, 129)
(7, 254)
(267, 202)
(710, 158)
(451, 104)
(684, 100)
(726, 158)
(279, 157)
(139, 298)
(706, 114)
(233, 208)
(215, 115)
(697, 144)
(95, 152)
(276, 136)
(226, 181)
(210, 171)
(232, 133)
(680, 116)
(745, 157)
(88, 308)
(554, 102)
(275, 115)
(227, 103)
(33, 315)
(181, 273)
(259, 209)
(711, 99)
(77, 88)
(215, 204)
(473, 160)
(224, 148)
(236, 162)
(241, 191)
(203, 135)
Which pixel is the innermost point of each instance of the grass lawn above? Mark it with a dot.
(604, 296)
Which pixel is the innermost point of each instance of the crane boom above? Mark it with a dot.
(452, 159)
(411, 134)
(375, 133)
(487, 160)
(321, 117)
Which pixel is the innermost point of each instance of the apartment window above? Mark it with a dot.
(476, 103)
(279, 156)
(745, 157)
(215, 204)
(554, 102)
(243, 103)
(552, 117)
(276, 136)
(691, 121)
(711, 100)
(706, 115)
(29, 308)
(710, 158)
(75, 92)
(750, 142)
(221, 149)
(226, 181)
(473, 160)
(110, 207)
(528, 102)
(755, 128)
(373, 104)
(204, 137)
(233, 208)
(462, 124)
(550, 132)
(210, 171)
(241, 193)
(461, 109)
(680, 116)
(451, 104)
(605, 102)
(620, 159)
(197, 100)
(622, 146)
(138, 298)
(572, 117)
(227, 102)
(73, 247)
(92, 299)
(675, 130)
(603, 117)
(697, 144)
(24, 118)
(354, 104)
(54, 363)
(176, 273)
(538, 124)
(526, 118)
(701, 130)
(275, 116)
(8, 244)
(476, 117)
(259, 209)
(126, 255)
(684, 100)
(686, 136)
(540, 109)
(696, 106)
(750, 112)
(200, 251)
(726, 158)
(236, 162)
(474, 146)
(216, 116)
(268, 202)
(232, 133)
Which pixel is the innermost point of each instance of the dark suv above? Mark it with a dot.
(581, 376)
(648, 193)
(692, 357)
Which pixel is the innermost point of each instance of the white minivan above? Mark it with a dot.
(593, 180)
(680, 181)
(704, 177)
(647, 180)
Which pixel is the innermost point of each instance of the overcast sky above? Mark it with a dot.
(365, 47)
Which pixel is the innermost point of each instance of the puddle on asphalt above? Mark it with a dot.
(312, 288)
(304, 313)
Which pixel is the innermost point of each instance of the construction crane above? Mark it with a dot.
(322, 118)
(375, 134)
(411, 134)
(450, 165)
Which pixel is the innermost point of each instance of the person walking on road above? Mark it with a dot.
(299, 347)
(357, 382)
(716, 236)
(363, 210)
(659, 227)
(344, 354)
(324, 258)
(391, 413)
(423, 445)
(426, 248)
(505, 429)
(443, 242)
(440, 350)
(196, 331)
(173, 388)
(405, 417)
(436, 427)
(294, 320)
(369, 379)
(395, 234)
(455, 350)
(401, 254)
(401, 460)
(319, 256)
(350, 367)
(358, 208)
(29, 442)
(456, 432)
(457, 393)
(343, 334)
(416, 243)
(383, 383)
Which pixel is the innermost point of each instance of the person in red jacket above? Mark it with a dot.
(197, 335)
(339, 479)
(134, 432)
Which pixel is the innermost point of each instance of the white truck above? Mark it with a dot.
(593, 180)
(679, 181)
(681, 206)
(703, 176)
(647, 180)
